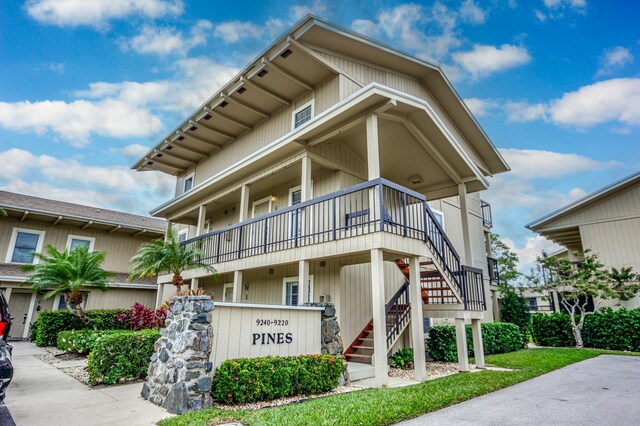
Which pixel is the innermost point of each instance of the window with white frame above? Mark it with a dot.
(302, 114)
(74, 241)
(227, 292)
(188, 183)
(24, 244)
(291, 292)
(439, 217)
(183, 235)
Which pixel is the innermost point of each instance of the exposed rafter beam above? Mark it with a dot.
(326, 63)
(342, 127)
(198, 138)
(164, 163)
(266, 91)
(286, 74)
(248, 107)
(114, 229)
(140, 232)
(176, 156)
(24, 215)
(209, 127)
(86, 225)
(189, 149)
(229, 119)
(335, 166)
(57, 221)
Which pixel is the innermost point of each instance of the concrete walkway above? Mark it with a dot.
(599, 391)
(40, 394)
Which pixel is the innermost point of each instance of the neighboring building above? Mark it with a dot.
(607, 222)
(33, 223)
(323, 167)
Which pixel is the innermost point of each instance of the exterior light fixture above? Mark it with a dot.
(415, 179)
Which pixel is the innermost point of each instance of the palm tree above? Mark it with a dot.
(67, 273)
(167, 255)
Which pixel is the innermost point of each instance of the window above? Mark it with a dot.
(188, 183)
(261, 206)
(439, 217)
(227, 292)
(24, 244)
(533, 304)
(290, 291)
(182, 235)
(302, 114)
(74, 241)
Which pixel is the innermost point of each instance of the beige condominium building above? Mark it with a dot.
(334, 168)
(607, 222)
(32, 223)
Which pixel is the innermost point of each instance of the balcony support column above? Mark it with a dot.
(379, 320)
(244, 203)
(303, 282)
(237, 286)
(417, 325)
(461, 343)
(305, 179)
(195, 282)
(373, 147)
(466, 232)
(202, 217)
(478, 347)
(159, 294)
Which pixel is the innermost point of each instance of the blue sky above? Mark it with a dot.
(86, 86)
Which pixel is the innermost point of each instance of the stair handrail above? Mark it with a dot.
(402, 295)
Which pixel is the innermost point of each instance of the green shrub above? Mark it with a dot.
(609, 329)
(50, 323)
(121, 356)
(402, 358)
(514, 308)
(263, 379)
(82, 341)
(497, 337)
(552, 330)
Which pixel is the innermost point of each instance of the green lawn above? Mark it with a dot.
(388, 406)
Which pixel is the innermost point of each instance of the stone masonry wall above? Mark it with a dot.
(330, 331)
(179, 377)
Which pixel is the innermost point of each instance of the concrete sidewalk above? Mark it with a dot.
(598, 391)
(40, 394)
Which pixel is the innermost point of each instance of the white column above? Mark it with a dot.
(478, 347)
(373, 148)
(305, 179)
(417, 325)
(202, 217)
(194, 283)
(466, 235)
(244, 203)
(495, 306)
(7, 293)
(32, 305)
(461, 342)
(237, 286)
(169, 227)
(379, 320)
(303, 282)
(159, 295)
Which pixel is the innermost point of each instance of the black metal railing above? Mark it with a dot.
(473, 289)
(494, 272)
(397, 313)
(487, 219)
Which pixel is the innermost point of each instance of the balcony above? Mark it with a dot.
(494, 273)
(487, 220)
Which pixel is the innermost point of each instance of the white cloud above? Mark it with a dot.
(609, 100)
(234, 31)
(530, 164)
(480, 107)
(97, 13)
(530, 250)
(613, 60)
(471, 12)
(523, 111)
(366, 27)
(134, 150)
(571, 4)
(168, 40)
(76, 121)
(68, 180)
(483, 60)
(556, 9)
(540, 15)
(318, 8)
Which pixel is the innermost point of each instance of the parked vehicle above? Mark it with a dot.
(6, 368)
(5, 318)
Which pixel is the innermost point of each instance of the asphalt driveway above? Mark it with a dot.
(599, 391)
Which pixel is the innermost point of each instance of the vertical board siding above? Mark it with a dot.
(115, 298)
(340, 154)
(233, 329)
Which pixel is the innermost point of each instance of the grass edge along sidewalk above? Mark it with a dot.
(389, 406)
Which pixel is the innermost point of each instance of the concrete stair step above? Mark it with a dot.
(359, 371)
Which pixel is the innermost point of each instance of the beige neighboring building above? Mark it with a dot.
(607, 222)
(334, 168)
(33, 223)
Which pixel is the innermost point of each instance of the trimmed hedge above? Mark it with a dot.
(263, 379)
(121, 356)
(552, 330)
(605, 329)
(82, 341)
(497, 337)
(50, 323)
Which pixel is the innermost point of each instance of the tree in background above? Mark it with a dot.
(67, 273)
(579, 282)
(513, 307)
